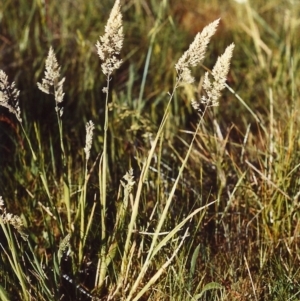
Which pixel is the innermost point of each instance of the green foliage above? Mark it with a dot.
(208, 207)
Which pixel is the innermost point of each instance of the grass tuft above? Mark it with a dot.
(161, 172)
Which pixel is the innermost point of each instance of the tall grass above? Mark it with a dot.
(164, 189)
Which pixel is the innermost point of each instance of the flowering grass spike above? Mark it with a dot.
(219, 73)
(13, 220)
(195, 54)
(110, 44)
(9, 96)
(88, 138)
(51, 79)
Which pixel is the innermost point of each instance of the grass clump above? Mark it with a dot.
(152, 191)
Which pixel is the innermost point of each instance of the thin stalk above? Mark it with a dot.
(66, 179)
(248, 108)
(91, 216)
(102, 185)
(14, 262)
(89, 222)
(164, 214)
(60, 129)
(29, 143)
(145, 76)
(141, 182)
(66, 173)
(158, 274)
(154, 31)
(82, 204)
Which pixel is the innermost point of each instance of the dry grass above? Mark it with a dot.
(208, 206)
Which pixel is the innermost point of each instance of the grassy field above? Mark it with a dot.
(115, 184)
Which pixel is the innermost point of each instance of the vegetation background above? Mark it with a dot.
(246, 157)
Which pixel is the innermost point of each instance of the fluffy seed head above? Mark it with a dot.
(9, 96)
(51, 79)
(195, 105)
(110, 44)
(1, 203)
(13, 220)
(88, 138)
(129, 178)
(219, 73)
(195, 54)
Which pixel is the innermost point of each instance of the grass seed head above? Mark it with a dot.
(52, 79)
(110, 44)
(13, 220)
(9, 96)
(88, 138)
(195, 54)
(219, 73)
(52, 73)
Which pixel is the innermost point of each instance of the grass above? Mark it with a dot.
(171, 203)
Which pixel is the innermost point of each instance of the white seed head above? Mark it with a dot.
(195, 105)
(52, 79)
(88, 138)
(195, 54)
(13, 220)
(9, 96)
(110, 44)
(51, 73)
(129, 178)
(219, 73)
